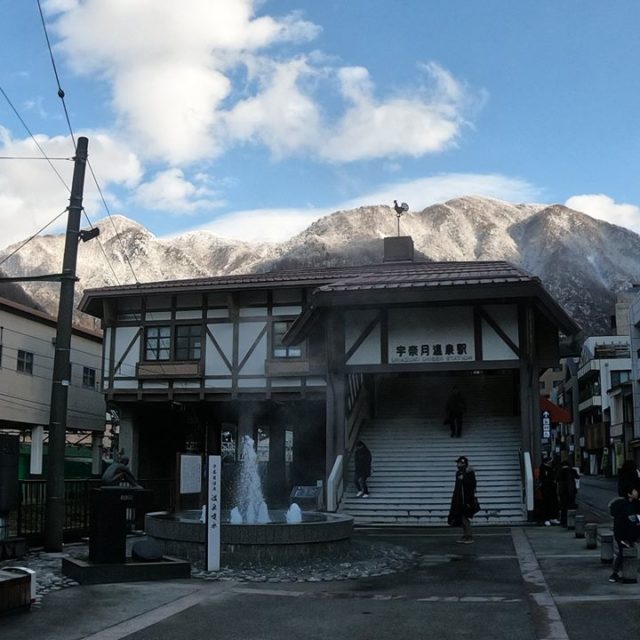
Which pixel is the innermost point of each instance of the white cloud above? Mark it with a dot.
(24, 208)
(276, 225)
(413, 125)
(605, 208)
(168, 63)
(281, 115)
(422, 192)
(170, 191)
(176, 74)
(263, 225)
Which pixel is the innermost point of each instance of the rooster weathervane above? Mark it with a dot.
(400, 209)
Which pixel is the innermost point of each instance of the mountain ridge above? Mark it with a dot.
(582, 261)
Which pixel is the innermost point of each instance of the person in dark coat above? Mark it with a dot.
(628, 476)
(455, 408)
(463, 501)
(362, 459)
(567, 490)
(626, 525)
(549, 491)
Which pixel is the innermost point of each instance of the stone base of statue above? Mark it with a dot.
(110, 508)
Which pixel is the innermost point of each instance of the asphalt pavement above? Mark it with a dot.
(529, 582)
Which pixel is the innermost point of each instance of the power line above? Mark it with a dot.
(64, 104)
(24, 124)
(31, 158)
(104, 203)
(28, 240)
(55, 71)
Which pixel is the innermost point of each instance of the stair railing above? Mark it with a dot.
(527, 481)
(335, 484)
(357, 411)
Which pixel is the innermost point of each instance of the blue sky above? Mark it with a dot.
(252, 119)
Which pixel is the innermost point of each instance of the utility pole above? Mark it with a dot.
(54, 510)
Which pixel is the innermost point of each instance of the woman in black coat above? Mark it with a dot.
(549, 491)
(362, 459)
(463, 501)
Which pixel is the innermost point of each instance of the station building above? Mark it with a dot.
(307, 361)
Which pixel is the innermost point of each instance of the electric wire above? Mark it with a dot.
(55, 71)
(42, 151)
(61, 95)
(32, 158)
(113, 224)
(28, 240)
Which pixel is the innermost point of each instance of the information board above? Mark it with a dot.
(190, 473)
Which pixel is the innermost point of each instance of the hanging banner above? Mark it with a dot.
(213, 514)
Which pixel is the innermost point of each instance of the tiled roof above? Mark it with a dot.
(329, 281)
(403, 270)
(433, 274)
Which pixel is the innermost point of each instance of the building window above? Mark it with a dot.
(88, 377)
(25, 362)
(157, 343)
(279, 350)
(188, 342)
(620, 377)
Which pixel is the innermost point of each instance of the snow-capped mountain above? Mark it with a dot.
(583, 262)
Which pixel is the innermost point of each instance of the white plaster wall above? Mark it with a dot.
(248, 332)
(369, 352)
(124, 336)
(493, 346)
(214, 364)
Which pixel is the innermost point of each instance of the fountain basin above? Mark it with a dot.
(182, 535)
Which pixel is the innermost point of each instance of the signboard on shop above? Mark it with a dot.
(546, 424)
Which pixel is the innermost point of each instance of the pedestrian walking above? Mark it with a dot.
(455, 409)
(549, 491)
(362, 458)
(464, 504)
(626, 526)
(567, 490)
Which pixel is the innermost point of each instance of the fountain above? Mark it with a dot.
(251, 532)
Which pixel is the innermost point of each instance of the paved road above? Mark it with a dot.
(522, 582)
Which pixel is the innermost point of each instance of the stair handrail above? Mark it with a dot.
(335, 484)
(526, 468)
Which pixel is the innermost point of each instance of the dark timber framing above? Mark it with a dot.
(237, 314)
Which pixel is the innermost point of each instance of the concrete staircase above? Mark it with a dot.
(414, 471)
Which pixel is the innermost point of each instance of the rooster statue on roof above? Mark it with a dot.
(400, 209)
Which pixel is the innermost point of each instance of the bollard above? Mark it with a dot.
(591, 534)
(606, 548)
(629, 565)
(571, 519)
(579, 526)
